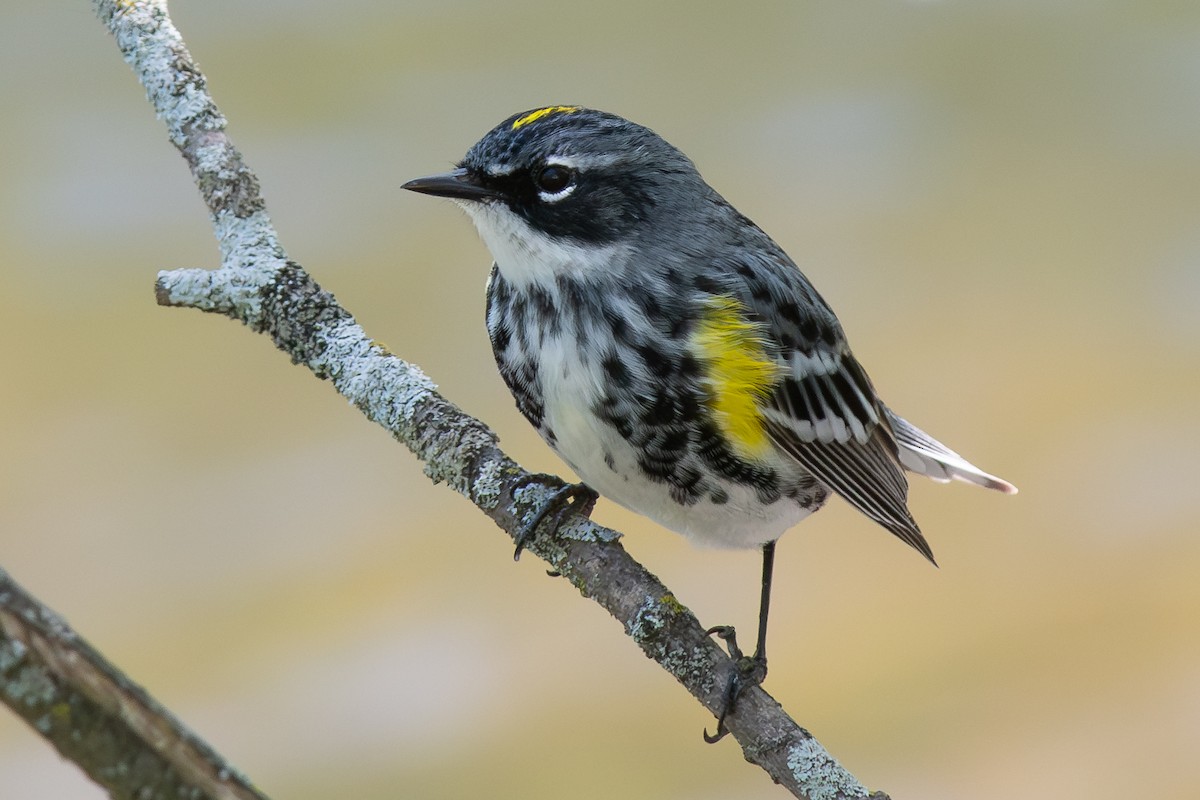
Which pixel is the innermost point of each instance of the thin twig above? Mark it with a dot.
(259, 286)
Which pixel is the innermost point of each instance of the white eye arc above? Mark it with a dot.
(554, 182)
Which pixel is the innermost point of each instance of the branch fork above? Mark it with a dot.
(49, 673)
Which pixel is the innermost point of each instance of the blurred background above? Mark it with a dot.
(1001, 200)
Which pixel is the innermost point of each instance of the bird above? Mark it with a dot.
(671, 353)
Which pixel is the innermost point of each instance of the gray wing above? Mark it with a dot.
(824, 412)
(830, 422)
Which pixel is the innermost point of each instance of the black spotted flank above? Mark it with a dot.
(661, 410)
(547, 310)
(686, 488)
(655, 359)
(688, 367)
(615, 369)
(614, 411)
(717, 456)
(656, 469)
(500, 339)
(618, 325)
(688, 408)
(679, 328)
(768, 494)
(649, 305)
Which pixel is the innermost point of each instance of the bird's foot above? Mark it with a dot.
(748, 671)
(577, 498)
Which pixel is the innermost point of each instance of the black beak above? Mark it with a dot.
(458, 184)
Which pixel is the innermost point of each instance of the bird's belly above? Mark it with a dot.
(608, 463)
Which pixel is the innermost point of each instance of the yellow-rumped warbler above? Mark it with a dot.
(669, 351)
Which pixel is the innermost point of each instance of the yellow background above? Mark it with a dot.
(1001, 200)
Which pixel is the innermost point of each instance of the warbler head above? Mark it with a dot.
(565, 188)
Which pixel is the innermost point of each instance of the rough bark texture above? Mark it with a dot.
(259, 286)
(98, 718)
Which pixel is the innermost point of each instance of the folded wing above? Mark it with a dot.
(824, 413)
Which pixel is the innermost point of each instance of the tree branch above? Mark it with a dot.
(98, 718)
(259, 286)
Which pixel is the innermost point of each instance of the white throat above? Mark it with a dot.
(526, 256)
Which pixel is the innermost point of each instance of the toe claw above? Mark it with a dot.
(728, 635)
(571, 497)
(748, 671)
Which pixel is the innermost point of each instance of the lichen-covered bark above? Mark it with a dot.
(98, 718)
(259, 286)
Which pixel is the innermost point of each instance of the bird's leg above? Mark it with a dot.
(748, 670)
(569, 497)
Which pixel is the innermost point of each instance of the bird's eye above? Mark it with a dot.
(554, 179)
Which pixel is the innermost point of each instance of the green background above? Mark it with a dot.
(1001, 200)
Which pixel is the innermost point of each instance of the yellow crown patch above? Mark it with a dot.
(534, 116)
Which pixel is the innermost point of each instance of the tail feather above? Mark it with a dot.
(924, 455)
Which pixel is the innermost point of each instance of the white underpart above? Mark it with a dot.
(570, 388)
(527, 257)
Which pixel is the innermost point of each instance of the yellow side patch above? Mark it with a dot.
(737, 372)
(534, 116)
